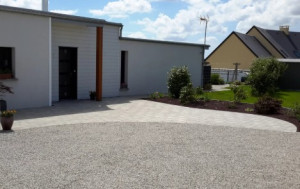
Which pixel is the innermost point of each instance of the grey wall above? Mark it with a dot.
(29, 36)
(84, 39)
(111, 61)
(149, 62)
(291, 77)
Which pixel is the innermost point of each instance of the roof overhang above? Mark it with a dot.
(290, 60)
(164, 42)
(60, 17)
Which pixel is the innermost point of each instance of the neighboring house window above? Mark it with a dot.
(124, 68)
(6, 62)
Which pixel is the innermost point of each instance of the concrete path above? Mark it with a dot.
(129, 109)
(220, 87)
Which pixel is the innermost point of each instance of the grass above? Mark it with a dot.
(289, 98)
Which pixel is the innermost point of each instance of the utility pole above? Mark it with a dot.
(236, 65)
(203, 19)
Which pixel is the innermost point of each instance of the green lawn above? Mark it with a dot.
(289, 98)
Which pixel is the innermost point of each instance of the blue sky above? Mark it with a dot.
(178, 20)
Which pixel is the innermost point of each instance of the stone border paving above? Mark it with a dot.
(134, 109)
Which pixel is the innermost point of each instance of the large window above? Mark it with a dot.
(6, 62)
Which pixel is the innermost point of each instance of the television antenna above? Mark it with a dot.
(204, 19)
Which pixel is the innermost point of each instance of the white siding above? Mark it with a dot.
(29, 36)
(149, 62)
(111, 61)
(84, 39)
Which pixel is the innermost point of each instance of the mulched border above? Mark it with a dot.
(225, 106)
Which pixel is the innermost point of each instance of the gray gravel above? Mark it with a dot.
(148, 155)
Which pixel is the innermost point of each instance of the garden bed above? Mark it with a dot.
(227, 106)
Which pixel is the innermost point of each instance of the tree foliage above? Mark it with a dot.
(178, 77)
(264, 75)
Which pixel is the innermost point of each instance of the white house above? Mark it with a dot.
(47, 57)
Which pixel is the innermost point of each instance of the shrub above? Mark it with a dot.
(267, 105)
(198, 91)
(215, 79)
(156, 95)
(231, 105)
(239, 93)
(207, 87)
(237, 82)
(249, 110)
(264, 76)
(187, 94)
(295, 111)
(178, 77)
(202, 98)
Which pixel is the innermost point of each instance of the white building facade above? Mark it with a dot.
(55, 57)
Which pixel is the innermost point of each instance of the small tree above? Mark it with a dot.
(187, 94)
(178, 77)
(264, 75)
(239, 93)
(215, 79)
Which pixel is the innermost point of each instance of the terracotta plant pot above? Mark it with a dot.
(7, 123)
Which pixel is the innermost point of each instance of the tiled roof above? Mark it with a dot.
(287, 45)
(254, 45)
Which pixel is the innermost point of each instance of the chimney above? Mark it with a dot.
(45, 5)
(285, 29)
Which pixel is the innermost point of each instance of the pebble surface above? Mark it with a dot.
(148, 155)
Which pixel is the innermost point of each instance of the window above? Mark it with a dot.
(6, 62)
(124, 68)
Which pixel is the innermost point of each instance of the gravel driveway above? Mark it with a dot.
(148, 155)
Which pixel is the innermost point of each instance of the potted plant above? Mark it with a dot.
(7, 119)
(4, 89)
(92, 95)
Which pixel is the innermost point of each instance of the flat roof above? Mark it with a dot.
(58, 16)
(164, 42)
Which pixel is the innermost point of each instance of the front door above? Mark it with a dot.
(67, 73)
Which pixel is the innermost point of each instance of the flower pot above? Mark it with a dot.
(7, 122)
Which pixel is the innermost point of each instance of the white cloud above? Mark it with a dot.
(31, 4)
(137, 35)
(123, 8)
(244, 14)
(69, 12)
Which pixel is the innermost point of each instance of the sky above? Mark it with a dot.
(179, 20)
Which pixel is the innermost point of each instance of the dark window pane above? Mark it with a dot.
(5, 60)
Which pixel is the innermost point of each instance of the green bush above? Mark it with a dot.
(199, 91)
(187, 94)
(215, 79)
(267, 105)
(207, 87)
(156, 95)
(178, 77)
(264, 76)
(295, 111)
(202, 98)
(239, 93)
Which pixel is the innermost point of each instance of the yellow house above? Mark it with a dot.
(256, 43)
(237, 48)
